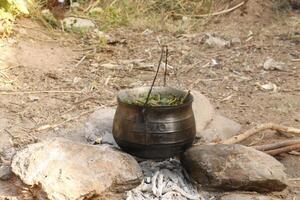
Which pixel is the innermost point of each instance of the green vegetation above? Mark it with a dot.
(9, 9)
(160, 15)
(158, 100)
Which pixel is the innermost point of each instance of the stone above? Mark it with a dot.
(78, 24)
(269, 87)
(271, 64)
(203, 111)
(99, 126)
(5, 141)
(235, 41)
(68, 170)
(234, 167)
(101, 35)
(5, 172)
(7, 154)
(219, 129)
(247, 197)
(213, 41)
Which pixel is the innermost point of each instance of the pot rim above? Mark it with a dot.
(137, 90)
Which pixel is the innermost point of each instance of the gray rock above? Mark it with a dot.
(68, 170)
(203, 111)
(213, 41)
(234, 167)
(5, 141)
(5, 138)
(247, 197)
(5, 172)
(78, 24)
(7, 154)
(235, 41)
(6, 145)
(99, 126)
(271, 64)
(219, 129)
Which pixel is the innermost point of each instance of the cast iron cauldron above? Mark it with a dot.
(153, 132)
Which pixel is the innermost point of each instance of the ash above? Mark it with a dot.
(166, 180)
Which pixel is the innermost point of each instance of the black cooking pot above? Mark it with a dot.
(153, 132)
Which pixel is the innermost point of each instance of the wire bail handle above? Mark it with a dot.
(165, 50)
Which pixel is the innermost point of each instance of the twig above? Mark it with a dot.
(259, 128)
(295, 153)
(295, 60)
(84, 100)
(80, 61)
(39, 92)
(216, 13)
(287, 149)
(46, 127)
(277, 145)
(294, 179)
(186, 96)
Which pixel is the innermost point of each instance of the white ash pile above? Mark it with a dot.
(166, 180)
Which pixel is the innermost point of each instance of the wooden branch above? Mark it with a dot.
(259, 128)
(216, 13)
(40, 92)
(276, 145)
(286, 149)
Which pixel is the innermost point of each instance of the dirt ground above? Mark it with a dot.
(50, 80)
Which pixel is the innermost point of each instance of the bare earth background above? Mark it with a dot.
(38, 59)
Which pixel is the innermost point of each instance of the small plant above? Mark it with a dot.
(9, 9)
(159, 100)
(6, 20)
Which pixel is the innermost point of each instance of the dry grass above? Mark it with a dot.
(158, 15)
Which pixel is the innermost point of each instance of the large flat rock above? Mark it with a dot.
(234, 167)
(67, 170)
(220, 128)
(203, 111)
(99, 126)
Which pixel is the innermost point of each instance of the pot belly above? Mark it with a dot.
(161, 133)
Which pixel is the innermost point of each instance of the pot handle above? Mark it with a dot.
(166, 51)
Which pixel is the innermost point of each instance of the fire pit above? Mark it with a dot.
(161, 129)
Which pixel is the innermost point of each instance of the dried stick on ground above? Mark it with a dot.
(286, 149)
(276, 145)
(259, 128)
(217, 13)
(40, 92)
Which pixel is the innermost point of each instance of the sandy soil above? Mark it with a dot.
(50, 80)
